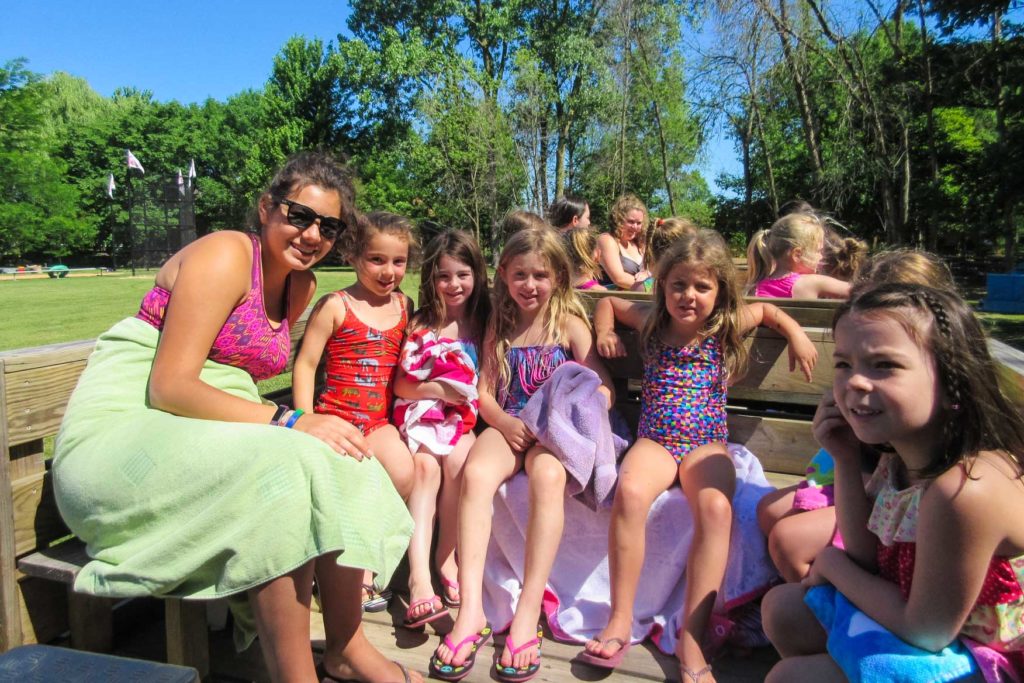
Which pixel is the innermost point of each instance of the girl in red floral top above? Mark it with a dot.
(938, 555)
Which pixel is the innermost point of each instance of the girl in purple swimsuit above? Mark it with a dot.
(692, 340)
(537, 324)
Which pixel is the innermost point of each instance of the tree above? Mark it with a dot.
(39, 211)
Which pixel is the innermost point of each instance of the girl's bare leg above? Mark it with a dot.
(390, 450)
(490, 462)
(797, 539)
(647, 471)
(422, 505)
(708, 478)
(281, 608)
(809, 669)
(348, 654)
(448, 511)
(790, 624)
(543, 535)
(774, 506)
(798, 636)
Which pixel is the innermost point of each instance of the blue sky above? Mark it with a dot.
(187, 50)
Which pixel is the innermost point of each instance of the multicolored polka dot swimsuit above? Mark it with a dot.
(683, 401)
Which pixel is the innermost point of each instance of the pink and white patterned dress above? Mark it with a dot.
(995, 625)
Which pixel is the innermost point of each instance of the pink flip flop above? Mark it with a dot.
(456, 672)
(611, 662)
(437, 611)
(453, 585)
(510, 674)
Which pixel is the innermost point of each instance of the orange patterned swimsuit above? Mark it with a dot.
(361, 364)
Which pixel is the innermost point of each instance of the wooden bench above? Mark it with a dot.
(39, 559)
(770, 409)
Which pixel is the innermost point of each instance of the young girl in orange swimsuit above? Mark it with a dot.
(361, 329)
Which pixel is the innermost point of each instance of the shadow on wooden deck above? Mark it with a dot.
(413, 649)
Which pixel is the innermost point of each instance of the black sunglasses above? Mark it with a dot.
(301, 216)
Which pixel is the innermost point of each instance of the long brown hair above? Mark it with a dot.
(462, 247)
(706, 249)
(311, 168)
(976, 414)
(580, 244)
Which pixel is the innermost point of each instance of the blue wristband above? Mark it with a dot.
(294, 418)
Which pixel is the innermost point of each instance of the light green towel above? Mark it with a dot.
(169, 505)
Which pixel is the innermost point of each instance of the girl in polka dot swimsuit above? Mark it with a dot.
(934, 553)
(692, 342)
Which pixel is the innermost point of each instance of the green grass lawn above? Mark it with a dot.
(35, 312)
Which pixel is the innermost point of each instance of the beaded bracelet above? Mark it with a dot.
(294, 418)
(278, 414)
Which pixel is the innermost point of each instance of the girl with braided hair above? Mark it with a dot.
(930, 585)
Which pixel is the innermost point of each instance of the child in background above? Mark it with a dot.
(905, 266)
(843, 256)
(581, 244)
(783, 261)
(933, 565)
(361, 329)
(520, 219)
(537, 325)
(800, 520)
(692, 347)
(623, 248)
(568, 213)
(663, 234)
(437, 408)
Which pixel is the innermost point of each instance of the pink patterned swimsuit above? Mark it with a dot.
(997, 619)
(247, 340)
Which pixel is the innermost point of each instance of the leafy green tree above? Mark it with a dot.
(39, 211)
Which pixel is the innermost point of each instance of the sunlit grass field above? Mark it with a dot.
(38, 311)
(34, 312)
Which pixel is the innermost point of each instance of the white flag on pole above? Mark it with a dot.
(110, 186)
(192, 173)
(134, 162)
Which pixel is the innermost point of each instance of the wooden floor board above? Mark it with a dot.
(413, 649)
(144, 639)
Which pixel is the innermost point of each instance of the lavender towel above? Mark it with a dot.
(577, 603)
(570, 417)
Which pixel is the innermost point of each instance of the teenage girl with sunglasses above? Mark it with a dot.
(183, 483)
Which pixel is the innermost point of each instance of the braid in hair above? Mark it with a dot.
(953, 380)
(976, 414)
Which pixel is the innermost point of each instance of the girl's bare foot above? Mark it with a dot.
(421, 599)
(693, 668)
(612, 638)
(466, 625)
(362, 662)
(519, 634)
